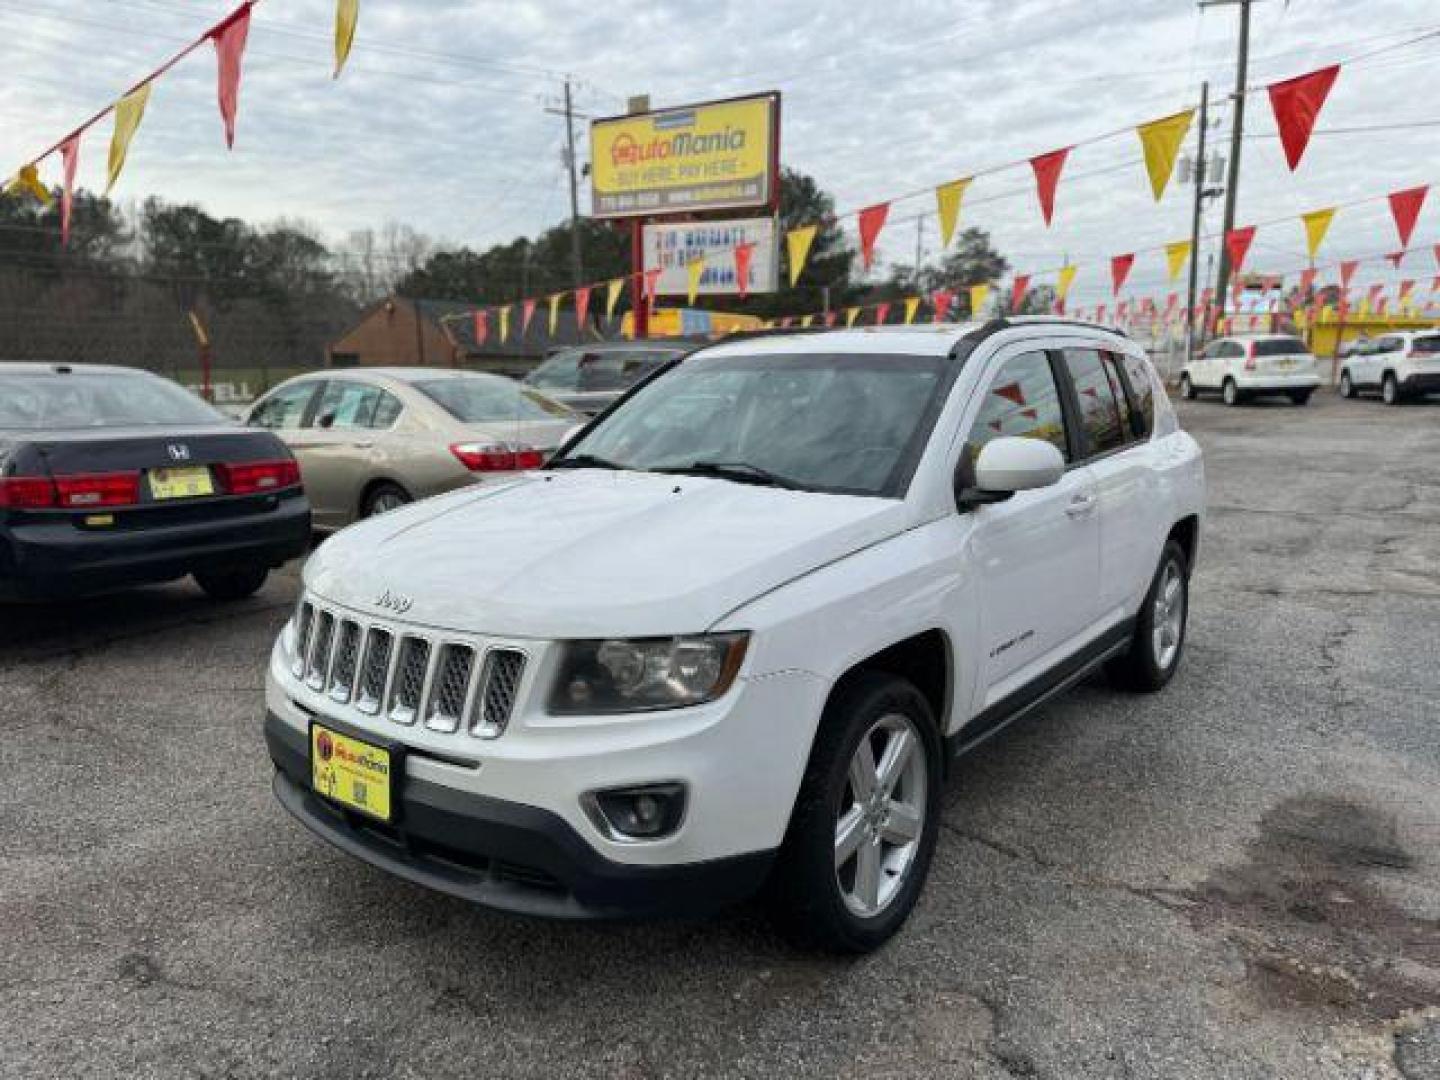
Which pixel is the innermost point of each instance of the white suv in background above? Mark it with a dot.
(1252, 365)
(739, 627)
(1400, 365)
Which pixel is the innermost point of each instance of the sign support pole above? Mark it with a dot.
(639, 303)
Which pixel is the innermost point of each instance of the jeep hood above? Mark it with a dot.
(592, 553)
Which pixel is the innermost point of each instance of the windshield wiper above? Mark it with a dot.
(587, 461)
(742, 472)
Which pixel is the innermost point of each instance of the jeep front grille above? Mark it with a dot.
(379, 670)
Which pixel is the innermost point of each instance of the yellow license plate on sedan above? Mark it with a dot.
(354, 773)
(187, 483)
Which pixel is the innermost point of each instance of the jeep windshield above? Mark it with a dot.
(852, 423)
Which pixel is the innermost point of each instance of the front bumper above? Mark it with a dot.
(503, 854)
(46, 555)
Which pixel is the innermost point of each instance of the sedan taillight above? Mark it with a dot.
(258, 477)
(27, 493)
(1250, 357)
(88, 490)
(497, 457)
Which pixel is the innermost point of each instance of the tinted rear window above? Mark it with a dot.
(34, 402)
(484, 398)
(1281, 346)
(1426, 346)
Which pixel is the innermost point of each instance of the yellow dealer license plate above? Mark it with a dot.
(187, 483)
(352, 772)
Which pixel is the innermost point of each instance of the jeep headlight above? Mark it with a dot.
(637, 675)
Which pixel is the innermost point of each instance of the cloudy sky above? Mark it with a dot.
(440, 119)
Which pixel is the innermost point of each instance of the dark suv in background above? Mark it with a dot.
(588, 378)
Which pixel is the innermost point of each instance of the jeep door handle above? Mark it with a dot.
(1080, 505)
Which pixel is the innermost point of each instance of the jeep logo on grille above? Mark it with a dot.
(394, 602)
(178, 451)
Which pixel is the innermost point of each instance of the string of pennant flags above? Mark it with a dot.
(229, 37)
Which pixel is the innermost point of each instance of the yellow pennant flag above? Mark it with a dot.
(694, 270)
(851, 314)
(1160, 140)
(1064, 280)
(347, 14)
(1364, 307)
(554, 302)
(129, 111)
(28, 180)
(948, 197)
(797, 244)
(978, 295)
(612, 297)
(912, 305)
(1175, 256)
(1317, 224)
(505, 322)
(807, 320)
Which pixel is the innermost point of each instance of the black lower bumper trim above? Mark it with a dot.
(502, 854)
(1426, 383)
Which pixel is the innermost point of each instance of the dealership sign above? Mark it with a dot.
(722, 155)
(671, 247)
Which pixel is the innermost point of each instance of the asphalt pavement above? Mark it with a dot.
(1239, 877)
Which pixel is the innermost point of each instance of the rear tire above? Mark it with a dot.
(1187, 388)
(852, 866)
(1390, 390)
(234, 583)
(382, 498)
(1347, 387)
(1159, 641)
(1300, 397)
(1230, 393)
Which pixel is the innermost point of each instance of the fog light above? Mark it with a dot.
(647, 812)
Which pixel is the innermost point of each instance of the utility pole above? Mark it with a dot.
(919, 247)
(577, 268)
(1190, 295)
(1237, 126)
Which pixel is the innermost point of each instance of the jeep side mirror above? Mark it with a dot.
(1007, 465)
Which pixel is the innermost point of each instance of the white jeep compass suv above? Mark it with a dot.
(1400, 365)
(738, 628)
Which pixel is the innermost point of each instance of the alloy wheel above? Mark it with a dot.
(1168, 623)
(881, 815)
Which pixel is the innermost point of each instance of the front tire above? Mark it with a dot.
(1230, 393)
(1300, 397)
(863, 832)
(1347, 387)
(382, 498)
(1390, 390)
(1187, 388)
(234, 583)
(1154, 653)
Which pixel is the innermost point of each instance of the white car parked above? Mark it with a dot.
(1400, 365)
(737, 630)
(1252, 365)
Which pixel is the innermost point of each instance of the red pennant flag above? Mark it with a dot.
(482, 327)
(70, 160)
(1030, 414)
(1120, 270)
(652, 282)
(1100, 313)
(582, 308)
(1171, 302)
(1405, 206)
(830, 318)
(1122, 310)
(1347, 271)
(941, 299)
(1374, 294)
(1047, 176)
(1396, 257)
(785, 322)
(1307, 280)
(1437, 252)
(1017, 292)
(1435, 285)
(1297, 102)
(882, 312)
(1237, 244)
(1406, 288)
(742, 267)
(1010, 392)
(527, 309)
(872, 220)
(229, 38)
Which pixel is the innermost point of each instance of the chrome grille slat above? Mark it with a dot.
(499, 689)
(306, 622)
(407, 691)
(347, 654)
(375, 672)
(451, 688)
(317, 668)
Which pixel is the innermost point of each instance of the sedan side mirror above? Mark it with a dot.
(1007, 465)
